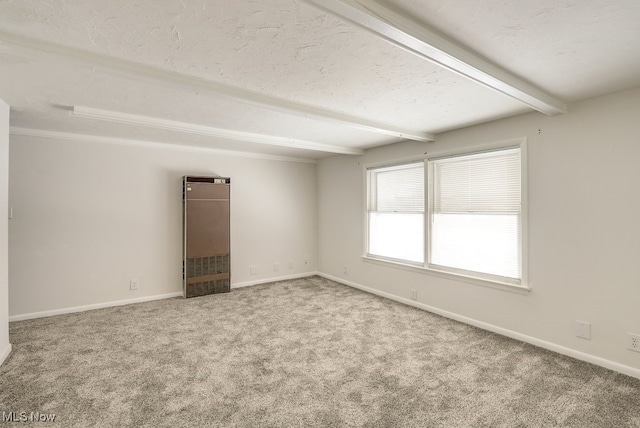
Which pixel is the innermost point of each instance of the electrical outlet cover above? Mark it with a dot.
(583, 329)
(633, 342)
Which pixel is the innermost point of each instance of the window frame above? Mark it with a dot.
(477, 278)
(368, 170)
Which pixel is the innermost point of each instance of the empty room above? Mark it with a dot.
(320, 213)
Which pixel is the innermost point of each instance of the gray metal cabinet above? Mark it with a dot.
(206, 221)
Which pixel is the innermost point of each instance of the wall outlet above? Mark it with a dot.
(276, 267)
(253, 270)
(290, 265)
(414, 294)
(133, 284)
(345, 270)
(633, 342)
(583, 329)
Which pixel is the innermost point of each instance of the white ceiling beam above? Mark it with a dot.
(100, 139)
(210, 131)
(424, 42)
(168, 77)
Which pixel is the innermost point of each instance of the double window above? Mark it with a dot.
(460, 214)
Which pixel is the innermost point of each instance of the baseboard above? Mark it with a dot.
(91, 307)
(578, 355)
(141, 299)
(268, 280)
(5, 353)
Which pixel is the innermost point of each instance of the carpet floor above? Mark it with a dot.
(298, 353)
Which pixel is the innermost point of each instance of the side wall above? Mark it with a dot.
(584, 239)
(90, 217)
(5, 347)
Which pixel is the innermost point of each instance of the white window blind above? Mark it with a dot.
(476, 213)
(396, 212)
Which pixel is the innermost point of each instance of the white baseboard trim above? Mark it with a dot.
(268, 280)
(5, 353)
(62, 311)
(578, 355)
(91, 307)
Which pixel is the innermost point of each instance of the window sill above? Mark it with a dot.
(521, 289)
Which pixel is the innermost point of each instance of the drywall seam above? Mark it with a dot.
(85, 138)
(611, 365)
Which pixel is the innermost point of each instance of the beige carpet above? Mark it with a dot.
(300, 353)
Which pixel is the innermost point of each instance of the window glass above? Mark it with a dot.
(396, 212)
(476, 213)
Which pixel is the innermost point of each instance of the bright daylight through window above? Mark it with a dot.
(474, 220)
(396, 212)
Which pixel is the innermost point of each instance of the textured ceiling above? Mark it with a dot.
(575, 49)
(291, 51)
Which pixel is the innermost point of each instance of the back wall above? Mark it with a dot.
(90, 217)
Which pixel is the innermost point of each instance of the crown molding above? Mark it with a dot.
(190, 128)
(167, 77)
(85, 138)
(407, 34)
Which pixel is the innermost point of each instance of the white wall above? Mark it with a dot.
(89, 217)
(5, 347)
(584, 233)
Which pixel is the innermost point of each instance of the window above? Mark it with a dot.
(474, 220)
(396, 212)
(475, 213)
